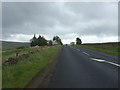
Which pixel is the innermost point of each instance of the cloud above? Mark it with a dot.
(19, 37)
(93, 38)
(65, 19)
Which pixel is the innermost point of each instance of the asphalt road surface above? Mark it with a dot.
(83, 68)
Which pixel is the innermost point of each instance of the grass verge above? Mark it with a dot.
(18, 76)
(109, 49)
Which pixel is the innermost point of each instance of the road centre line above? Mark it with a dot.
(86, 53)
(100, 60)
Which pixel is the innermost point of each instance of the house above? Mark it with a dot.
(72, 43)
(48, 41)
(54, 42)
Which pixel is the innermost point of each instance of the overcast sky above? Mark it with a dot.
(93, 22)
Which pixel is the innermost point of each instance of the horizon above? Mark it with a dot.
(63, 43)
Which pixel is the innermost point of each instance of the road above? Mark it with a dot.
(83, 68)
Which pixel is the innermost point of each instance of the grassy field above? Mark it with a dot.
(109, 48)
(18, 75)
(11, 45)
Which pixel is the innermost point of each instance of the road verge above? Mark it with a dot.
(42, 78)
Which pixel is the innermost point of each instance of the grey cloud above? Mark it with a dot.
(94, 10)
(19, 13)
(52, 18)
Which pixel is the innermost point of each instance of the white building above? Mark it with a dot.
(54, 42)
(72, 43)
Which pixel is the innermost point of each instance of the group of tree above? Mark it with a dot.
(41, 41)
(58, 40)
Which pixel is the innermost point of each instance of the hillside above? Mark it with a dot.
(10, 45)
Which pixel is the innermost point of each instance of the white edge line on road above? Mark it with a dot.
(100, 60)
(112, 63)
(78, 49)
(86, 53)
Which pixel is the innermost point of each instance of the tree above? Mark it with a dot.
(58, 40)
(34, 41)
(43, 41)
(54, 38)
(78, 40)
(39, 40)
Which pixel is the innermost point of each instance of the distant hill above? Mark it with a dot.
(10, 45)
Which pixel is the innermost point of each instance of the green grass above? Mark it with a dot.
(12, 45)
(109, 48)
(11, 52)
(17, 76)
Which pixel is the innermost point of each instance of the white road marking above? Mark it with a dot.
(100, 60)
(86, 53)
(78, 49)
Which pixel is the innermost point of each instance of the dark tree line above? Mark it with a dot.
(41, 41)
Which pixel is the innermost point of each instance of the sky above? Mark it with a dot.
(92, 22)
